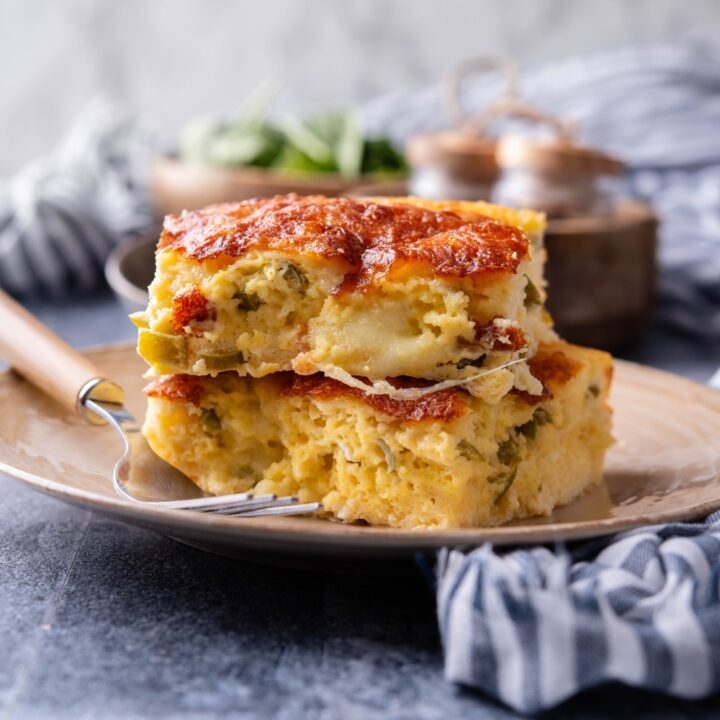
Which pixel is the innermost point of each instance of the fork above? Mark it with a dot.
(139, 475)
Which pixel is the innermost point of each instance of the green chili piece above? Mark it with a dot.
(528, 429)
(247, 301)
(162, 348)
(503, 481)
(471, 362)
(219, 362)
(468, 450)
(532, 294)
(508, 452)
(295, 276)
(210, 422)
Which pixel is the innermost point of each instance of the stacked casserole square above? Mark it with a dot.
(389, 357)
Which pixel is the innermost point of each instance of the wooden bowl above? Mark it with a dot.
(180, 186)
(601, 275)
(129, 270)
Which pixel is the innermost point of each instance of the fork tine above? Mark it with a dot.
(258, 501)
(241, 505)
(206, 503)
(260, 504)
(299, 509)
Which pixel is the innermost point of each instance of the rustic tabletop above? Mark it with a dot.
(104, 620)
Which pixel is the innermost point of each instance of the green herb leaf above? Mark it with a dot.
(331, 142)
(532, 294)
(295, 276)
(477, 362)
(258, 147)
(529, 429)
(508, 452)
(348, 147)
(305, 137)
(210, 422)
(468, 450)
(219, 362)
(379, 156)
(503, 481)
(247, 301)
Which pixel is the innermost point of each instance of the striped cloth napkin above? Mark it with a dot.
(534, 627)
(61, 215)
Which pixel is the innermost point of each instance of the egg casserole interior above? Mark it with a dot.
(447, 459)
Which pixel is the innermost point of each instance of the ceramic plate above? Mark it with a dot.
(664, 466)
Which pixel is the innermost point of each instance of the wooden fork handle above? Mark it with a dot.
(49, 363)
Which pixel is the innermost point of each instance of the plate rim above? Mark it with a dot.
(362, 540)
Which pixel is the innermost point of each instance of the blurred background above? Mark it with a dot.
(173, 59)
(606, 115)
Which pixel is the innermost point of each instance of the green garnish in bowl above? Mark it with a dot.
(332, 142)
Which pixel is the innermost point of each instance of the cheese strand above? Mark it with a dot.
(382, 387)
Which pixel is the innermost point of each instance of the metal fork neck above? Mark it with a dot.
(98, 398)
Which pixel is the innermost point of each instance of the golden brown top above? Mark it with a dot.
(553, 369)
(177, 388)
(495, 337)
(368, 237)
(190, 308)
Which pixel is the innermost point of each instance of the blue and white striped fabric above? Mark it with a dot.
(535, 627)
(659, 110)
(61, 215)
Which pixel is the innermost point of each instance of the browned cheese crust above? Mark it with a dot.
(369, 239)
